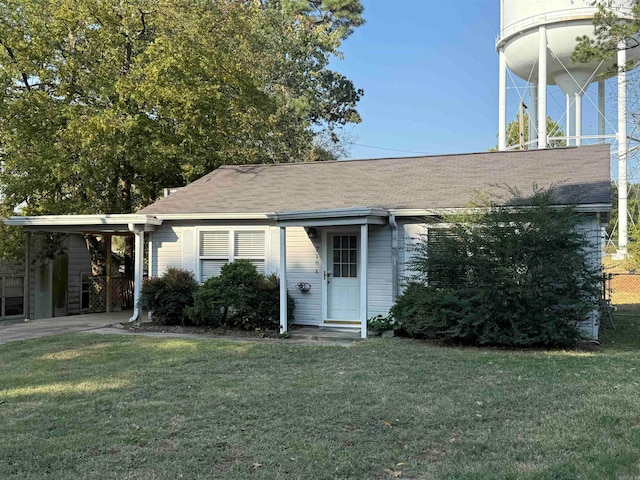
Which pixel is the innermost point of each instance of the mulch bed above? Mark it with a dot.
(204, 330)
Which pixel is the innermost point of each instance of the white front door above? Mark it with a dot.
(342, 274)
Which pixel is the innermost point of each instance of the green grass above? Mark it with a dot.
(125, 407)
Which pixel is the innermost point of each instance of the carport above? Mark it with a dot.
(104, 225)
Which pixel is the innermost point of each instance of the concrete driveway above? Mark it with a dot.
(101, 323)
(59, 325)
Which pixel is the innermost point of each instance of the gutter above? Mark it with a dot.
(424, 212)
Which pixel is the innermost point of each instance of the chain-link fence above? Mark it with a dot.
(621, 289)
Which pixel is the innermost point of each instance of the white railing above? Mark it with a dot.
(557, 16)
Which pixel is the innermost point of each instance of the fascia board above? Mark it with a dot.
(212, 216)
(329, 214)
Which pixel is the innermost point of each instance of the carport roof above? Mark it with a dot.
(121, 224)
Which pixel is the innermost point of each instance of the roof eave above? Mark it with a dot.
(331, 217)
(212, 216)
(422, 212)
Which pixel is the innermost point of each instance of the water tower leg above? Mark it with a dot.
(622, 152)
(502, 103)
(569, 116)
(542, 87)
(578, 109)
(601, 111)
(533, 116)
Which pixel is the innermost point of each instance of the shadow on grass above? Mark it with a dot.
(622, 333)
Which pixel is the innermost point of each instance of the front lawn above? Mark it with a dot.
(130, 407)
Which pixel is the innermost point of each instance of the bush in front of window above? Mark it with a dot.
(169, 295)
(520, 276)
(239, 298)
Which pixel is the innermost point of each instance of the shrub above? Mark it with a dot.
(379, 324)
(168, 296)
(425, 312)
(240, 297)
(516, 276)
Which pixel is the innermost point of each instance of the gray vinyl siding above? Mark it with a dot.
(594, 246)
(595, 240)
(304, 265)
(379, 271)
(166, 249)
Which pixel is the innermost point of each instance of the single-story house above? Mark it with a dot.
(339, 233)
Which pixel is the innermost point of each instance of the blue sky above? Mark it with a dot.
(430, 75)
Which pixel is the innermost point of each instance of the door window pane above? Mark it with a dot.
(345, 256)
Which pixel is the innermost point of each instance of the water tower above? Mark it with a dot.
(536, 40)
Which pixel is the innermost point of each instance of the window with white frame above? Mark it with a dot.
(11, 296)
(216, 248)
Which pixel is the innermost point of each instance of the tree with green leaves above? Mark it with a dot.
(103, 103)
(513, 133)
(609, 31)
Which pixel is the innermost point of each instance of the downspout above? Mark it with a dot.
(138, 231)
(394, 256)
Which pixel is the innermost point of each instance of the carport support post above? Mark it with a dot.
(107, 250)
(283, 280)
(27, 276)
(138, 263)
(364, 256)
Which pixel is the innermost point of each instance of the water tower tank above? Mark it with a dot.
(565, 20)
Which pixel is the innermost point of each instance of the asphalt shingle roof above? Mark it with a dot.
(446, 181)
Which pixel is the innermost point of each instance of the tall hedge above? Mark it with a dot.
(514, 276)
